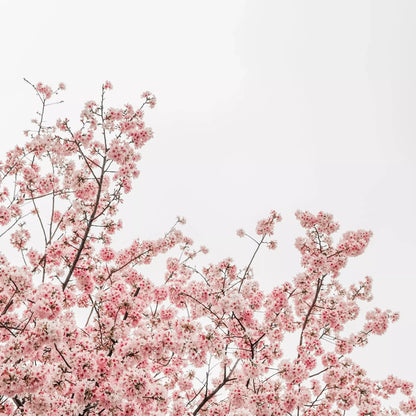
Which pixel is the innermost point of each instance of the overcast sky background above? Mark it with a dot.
(261, 105)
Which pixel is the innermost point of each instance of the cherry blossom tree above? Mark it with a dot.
(207, 341)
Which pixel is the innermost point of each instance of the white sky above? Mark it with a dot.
(261, 105)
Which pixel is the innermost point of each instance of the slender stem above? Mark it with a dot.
(250, 262)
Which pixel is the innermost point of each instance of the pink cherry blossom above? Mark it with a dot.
(84, 330)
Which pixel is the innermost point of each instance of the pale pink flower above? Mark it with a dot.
(108, 85)
(4, 215)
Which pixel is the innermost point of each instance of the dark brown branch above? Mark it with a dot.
(62, 356)
(318, 289)
(217, 389)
